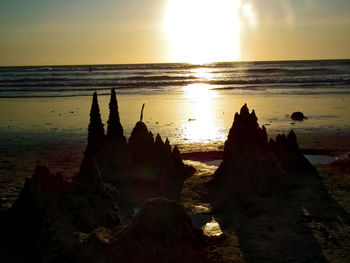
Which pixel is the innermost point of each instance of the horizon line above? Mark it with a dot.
(188, 63)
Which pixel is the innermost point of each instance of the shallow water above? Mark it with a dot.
(320, 159)
(313, 159)
(169, 115)
(212, 228)
(214, 163)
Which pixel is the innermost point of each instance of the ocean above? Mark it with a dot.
(325, 77)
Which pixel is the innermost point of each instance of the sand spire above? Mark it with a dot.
(114, 127)
(96, 131)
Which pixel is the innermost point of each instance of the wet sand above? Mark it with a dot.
(189, 116)
(52, 131)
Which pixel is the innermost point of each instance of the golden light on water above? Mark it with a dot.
(202, 31)
(212, 228)
(203, 73)
(201, 126)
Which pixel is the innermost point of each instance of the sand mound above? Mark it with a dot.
(160, 232)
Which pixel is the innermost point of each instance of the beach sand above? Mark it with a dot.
(52, 132)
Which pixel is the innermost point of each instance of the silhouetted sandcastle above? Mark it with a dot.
(96, 133)
(141, 168)
(252, 165)
(54, 220)
(156, 169)
(108, 152)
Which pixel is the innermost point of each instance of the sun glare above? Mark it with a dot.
(204, 74)
(203, 31)
(202, 128)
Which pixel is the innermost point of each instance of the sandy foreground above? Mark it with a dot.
(310, 223)
(316, 211)
(62, 152)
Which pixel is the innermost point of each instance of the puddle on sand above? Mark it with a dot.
(313, 159)
(319, 159)
(215, 163)
(201, 208)
(199, 211)
(212, 228)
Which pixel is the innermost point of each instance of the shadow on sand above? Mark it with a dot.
(288, 216)
(304, 225)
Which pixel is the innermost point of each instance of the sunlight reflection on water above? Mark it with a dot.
(202, 127)
(201, 208)
(212, 228)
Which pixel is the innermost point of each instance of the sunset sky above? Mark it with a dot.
(38, 32)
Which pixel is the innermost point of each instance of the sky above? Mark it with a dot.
(54, 32)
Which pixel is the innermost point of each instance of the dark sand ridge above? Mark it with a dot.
(300, 213)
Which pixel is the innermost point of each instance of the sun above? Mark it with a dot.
(203, 31)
